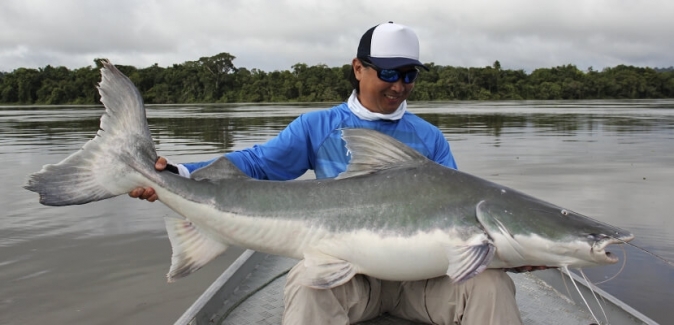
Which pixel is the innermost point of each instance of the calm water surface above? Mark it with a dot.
(105, 263)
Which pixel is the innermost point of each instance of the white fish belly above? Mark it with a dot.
(392, 257)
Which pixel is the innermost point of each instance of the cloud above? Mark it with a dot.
(274, 35)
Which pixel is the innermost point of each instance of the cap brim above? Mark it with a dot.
(395, 63)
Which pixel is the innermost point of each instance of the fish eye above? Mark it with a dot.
(565, 213)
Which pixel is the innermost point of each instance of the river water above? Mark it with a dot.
(105, 262)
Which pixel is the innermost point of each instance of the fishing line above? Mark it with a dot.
(647, 252)
(566, 268)
(619, 271)
(592, 287)
(561, 273)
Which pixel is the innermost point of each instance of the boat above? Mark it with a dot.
(250, 291)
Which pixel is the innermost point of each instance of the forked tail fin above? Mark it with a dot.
(105, 165)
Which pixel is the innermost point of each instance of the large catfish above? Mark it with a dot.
(393, 214)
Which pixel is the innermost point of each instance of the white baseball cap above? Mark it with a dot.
(390, 46)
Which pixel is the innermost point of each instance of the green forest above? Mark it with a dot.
(215, 79)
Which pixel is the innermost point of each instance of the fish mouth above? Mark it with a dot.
(599, 251)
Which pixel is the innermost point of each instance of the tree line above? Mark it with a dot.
(215, 79)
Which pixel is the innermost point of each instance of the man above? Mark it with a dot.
(383, 75)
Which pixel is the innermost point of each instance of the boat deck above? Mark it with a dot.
(255, 296)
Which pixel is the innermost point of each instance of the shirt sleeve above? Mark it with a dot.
(443, 153)
(284, 157)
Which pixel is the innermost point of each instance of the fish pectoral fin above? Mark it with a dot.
(468, 261)
(322, 271)
(493, 219)
(192, 249)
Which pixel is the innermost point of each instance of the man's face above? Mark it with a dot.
(379, 96)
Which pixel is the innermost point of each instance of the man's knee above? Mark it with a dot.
(490, 299)
(356, 300)
(493, 281)
(496, 277)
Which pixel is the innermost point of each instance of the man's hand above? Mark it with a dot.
(527, 268)
(148, 193)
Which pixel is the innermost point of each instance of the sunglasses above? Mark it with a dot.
(393, 75)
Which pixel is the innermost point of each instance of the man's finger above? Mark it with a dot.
(161, 163)
(148, 193)
(136, 192)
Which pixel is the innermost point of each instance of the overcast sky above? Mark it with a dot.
(274, 35)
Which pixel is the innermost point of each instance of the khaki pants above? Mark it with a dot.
(488, 298)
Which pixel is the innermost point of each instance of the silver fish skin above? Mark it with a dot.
(393, 214)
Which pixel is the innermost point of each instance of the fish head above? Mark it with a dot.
(528, 231)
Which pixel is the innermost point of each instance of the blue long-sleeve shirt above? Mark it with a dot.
(313, 141)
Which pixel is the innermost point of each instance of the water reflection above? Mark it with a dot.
(219, 125)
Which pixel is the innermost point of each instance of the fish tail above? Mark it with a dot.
(108, 164)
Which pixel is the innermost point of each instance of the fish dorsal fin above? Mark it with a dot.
(219, 169)
(372, 151)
